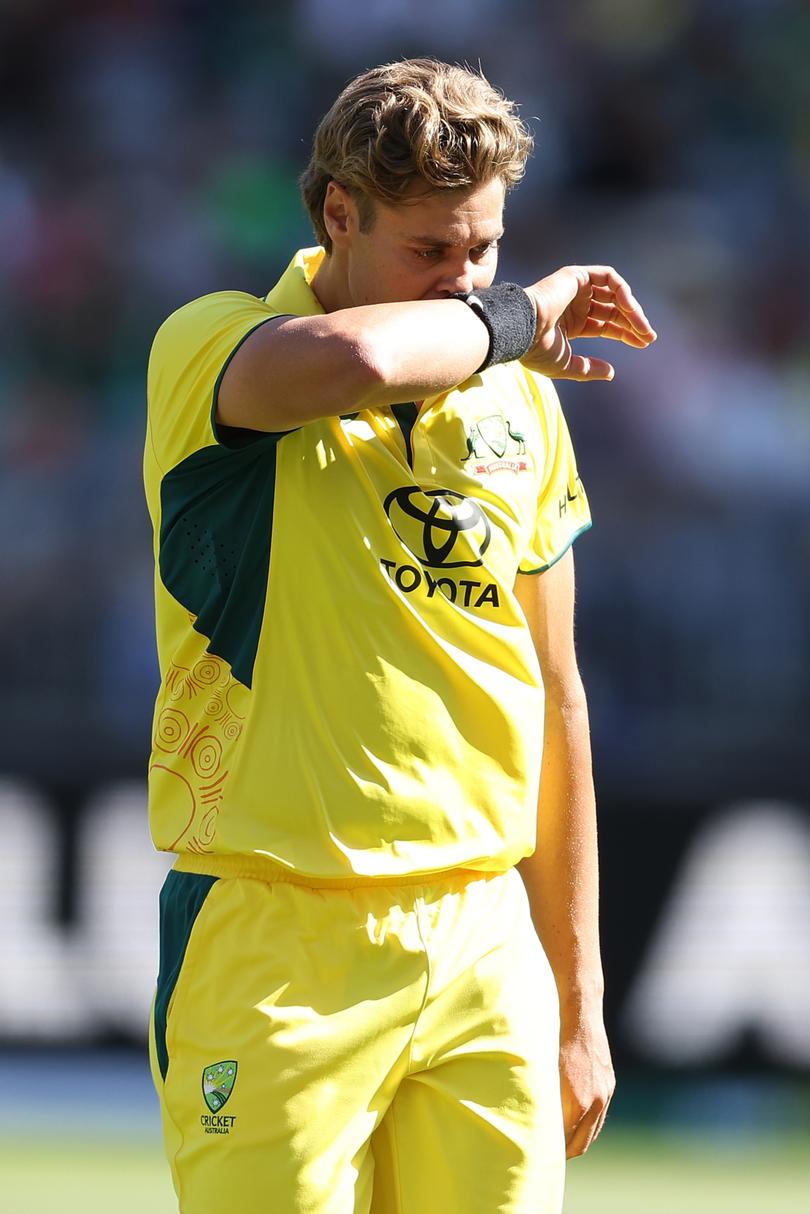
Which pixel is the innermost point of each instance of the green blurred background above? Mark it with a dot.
(669, 1147)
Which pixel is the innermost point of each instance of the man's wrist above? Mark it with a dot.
(580, 996)
(510, 317)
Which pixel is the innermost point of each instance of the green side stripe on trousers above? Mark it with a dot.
(181, 901)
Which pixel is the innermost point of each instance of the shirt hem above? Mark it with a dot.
(263, 869)
(543, 568)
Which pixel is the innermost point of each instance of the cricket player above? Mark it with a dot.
(380, 985)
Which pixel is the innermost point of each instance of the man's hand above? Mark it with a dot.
(586, 1079)
(583, 301)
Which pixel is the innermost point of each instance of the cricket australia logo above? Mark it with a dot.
(218, 1081)
(217, 1084)
(494, 435)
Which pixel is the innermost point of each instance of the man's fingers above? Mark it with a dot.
(610, 312)
(614, 331)
(580, 1136)
(605, 294)
(584, 301)
(606, 278)
(606, 310)
(600, 1123)
(574, 285)
(608, 287)
(579, 1141)
(629, 307)
(607, 320)
(586, 369)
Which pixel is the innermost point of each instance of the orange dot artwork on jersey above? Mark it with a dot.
(193, 741)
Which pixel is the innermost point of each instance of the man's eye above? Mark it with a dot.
(483, 249)
(428, 254)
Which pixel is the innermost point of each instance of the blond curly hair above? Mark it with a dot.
(412, 128)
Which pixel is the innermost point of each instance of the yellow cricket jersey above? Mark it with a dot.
(348, 686)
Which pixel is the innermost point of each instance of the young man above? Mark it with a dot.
(364, 495)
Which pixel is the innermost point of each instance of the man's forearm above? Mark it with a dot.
(295, 369)
(561, 877)
(300, 368)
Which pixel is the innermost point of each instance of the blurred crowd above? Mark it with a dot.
(149, 153)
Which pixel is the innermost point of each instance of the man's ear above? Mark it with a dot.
(340, 216)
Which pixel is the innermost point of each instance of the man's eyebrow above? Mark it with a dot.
(434, 242)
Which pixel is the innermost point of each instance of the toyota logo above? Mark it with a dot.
(442, 529)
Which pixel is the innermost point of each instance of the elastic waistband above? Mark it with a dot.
(262, 869)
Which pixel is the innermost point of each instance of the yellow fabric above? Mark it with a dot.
(391, 721)
(395, 1052)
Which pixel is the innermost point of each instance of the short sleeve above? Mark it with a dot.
(189, 355)
(562, 507)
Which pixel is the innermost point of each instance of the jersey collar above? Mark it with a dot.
(292, 294)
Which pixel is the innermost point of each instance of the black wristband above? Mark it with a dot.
(510, 318)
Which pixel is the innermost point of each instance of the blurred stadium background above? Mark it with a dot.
(148, 155)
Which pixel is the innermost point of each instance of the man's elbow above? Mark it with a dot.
(370, 369)
(565, 695)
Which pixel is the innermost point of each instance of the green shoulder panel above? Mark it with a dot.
(215, 535)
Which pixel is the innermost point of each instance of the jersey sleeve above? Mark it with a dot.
(189, 355)
(563, 512)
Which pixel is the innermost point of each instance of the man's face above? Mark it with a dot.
(427, 249)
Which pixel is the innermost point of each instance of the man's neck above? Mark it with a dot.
(330, 284)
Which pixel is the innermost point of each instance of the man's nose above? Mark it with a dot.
(458, 280)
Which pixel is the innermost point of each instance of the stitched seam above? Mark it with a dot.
(395, 1157)
(150, 432)
(418, 910)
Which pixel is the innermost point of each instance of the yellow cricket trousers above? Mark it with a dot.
(381, 1049)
